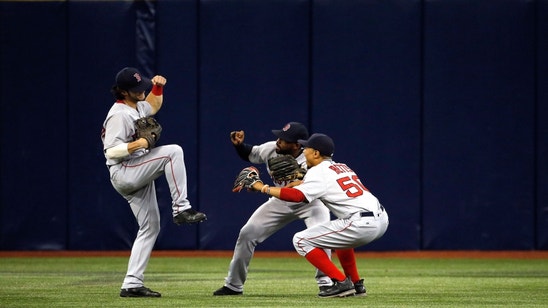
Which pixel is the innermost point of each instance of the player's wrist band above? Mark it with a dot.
(265, 189)
(157, 90)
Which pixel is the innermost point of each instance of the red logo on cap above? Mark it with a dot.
(137, 76)
(286, 127)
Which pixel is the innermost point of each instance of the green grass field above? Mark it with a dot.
(274, 282)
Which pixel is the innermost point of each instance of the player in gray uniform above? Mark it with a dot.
(133, 166)
(274, 214)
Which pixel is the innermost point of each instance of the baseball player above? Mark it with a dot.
(274, 214)
(134, 163)
(361, 218)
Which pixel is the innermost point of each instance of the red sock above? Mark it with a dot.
(348, 263)
(320, 260)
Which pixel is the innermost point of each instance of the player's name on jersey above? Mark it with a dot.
(340, 168)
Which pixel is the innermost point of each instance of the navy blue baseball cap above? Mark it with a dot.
(292, 132)
(320, 142)
(130, 79)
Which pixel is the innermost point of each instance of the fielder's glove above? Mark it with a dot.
(149, 129)
(246, 178)
(284, 168)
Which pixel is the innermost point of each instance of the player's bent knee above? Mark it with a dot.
(250, 233)
(174, 149)
(247, 230)
(300, 244)
(123, 187)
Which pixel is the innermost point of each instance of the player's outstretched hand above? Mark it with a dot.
(246, 178)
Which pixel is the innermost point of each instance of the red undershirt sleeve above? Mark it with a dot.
(291, 194)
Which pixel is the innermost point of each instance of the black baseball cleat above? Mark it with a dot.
(139, 292)
(339, 289)
(325, 287)
(189, 216)
(360, 288)
(226, 291)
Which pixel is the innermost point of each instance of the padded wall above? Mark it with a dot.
(542, 127)
(33, 61)
(366, 96)
(99, 218)
(253, 77)
(439, 106)
(176, 58)
(478, 124)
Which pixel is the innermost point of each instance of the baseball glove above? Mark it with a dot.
(149, 129)
(246, 178)
(285, 168)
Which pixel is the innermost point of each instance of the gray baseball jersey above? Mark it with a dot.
(268, 218)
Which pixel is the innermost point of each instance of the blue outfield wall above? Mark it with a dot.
(439, 106)
(541, 132)
(33, 108)
(479, 125)
(366, 94)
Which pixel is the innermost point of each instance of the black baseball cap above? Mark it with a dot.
(130, 79)
(292, 132)
(320, 142)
